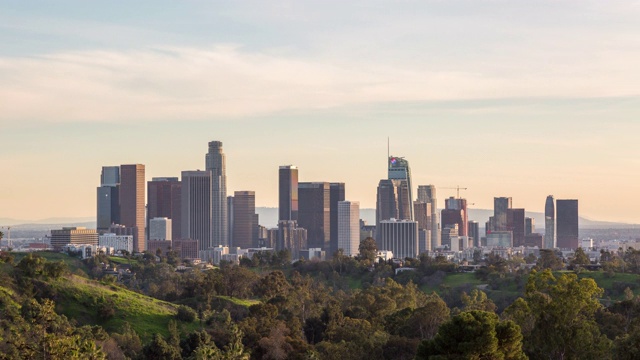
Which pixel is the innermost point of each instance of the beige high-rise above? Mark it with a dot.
(132, 200)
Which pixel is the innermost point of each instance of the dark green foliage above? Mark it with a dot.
(557, 316)
(159, 349)
(186, 314)
(474, 335)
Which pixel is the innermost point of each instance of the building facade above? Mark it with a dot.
(132, 202)
(398, 169)
(288, 193)
(196, 207)
(216, 165)
(108, 200)
(349, 227)
(244, 220)
(567, 224)
(399, 237)
(164, 199)
(160, 228)
(314, 213)
(118, 242)
(550, 223)
(336, 194)
(73, 235)
(427, 194)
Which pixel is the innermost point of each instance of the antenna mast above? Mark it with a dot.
(388, 153)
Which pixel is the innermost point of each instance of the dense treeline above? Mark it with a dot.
(345, 308)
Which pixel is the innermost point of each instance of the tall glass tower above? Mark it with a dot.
(215, 163)
(399, 170)
(549, 223)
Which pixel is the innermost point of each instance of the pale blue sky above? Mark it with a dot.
(507, 98)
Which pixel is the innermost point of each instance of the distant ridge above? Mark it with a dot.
(269, 218)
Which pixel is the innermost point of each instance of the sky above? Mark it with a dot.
(506, 98)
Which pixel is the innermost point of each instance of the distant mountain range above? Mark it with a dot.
(269, 218)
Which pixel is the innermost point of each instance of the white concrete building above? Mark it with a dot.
(349, 227)
(400, 237)
(118, 242)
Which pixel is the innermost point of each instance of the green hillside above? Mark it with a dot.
(80, 299)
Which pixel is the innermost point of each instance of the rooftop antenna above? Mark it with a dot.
(388, 153)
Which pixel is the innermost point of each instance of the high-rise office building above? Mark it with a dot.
(500, 207)
(291, 237)
(474, 232)
(244, 216)
(422, 214)
(314, 213)
(164, 200)
(349, 227)
(400, 237)
(110, 176)
(567, 224)
(529, 226)
(456, 210)
(550, 223)
(427, 193)
(196, 207)
(215, 162)
(108, 200)
(392, 200)
(449, 232)
(160, 228)
(132, 201)
(288, 193)
(337, 193)
(516, 224)
(230, 219)
(399, 169)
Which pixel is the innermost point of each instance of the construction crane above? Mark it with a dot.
(457, 189)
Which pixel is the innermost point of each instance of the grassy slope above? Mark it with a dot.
(78, 299)
(72, 262)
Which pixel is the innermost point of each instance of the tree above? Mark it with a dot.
(549, 260)
(478, 300)
(368, 250)
(557, 316)
(159, 349)
(580, 258)
(474, 335)
(186, 314)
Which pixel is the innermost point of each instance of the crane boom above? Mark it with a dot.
(457, 189)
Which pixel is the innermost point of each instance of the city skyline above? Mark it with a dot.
(508, 99)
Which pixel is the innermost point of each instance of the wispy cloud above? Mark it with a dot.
(172, 83)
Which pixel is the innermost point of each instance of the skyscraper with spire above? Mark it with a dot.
(399, 170)
(215, 163)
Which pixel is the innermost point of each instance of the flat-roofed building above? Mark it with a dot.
(73, 235)
(400, 237)
(160, 228)
(118, 242)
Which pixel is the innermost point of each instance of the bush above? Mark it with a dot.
(186, 314)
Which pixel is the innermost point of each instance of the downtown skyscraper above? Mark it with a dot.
(399, 169)
(288, 193)
(108, 198)
(549, 223)
(196, 220)
(567, 224)
(132, 202)
(427, 194)
(215, 163)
